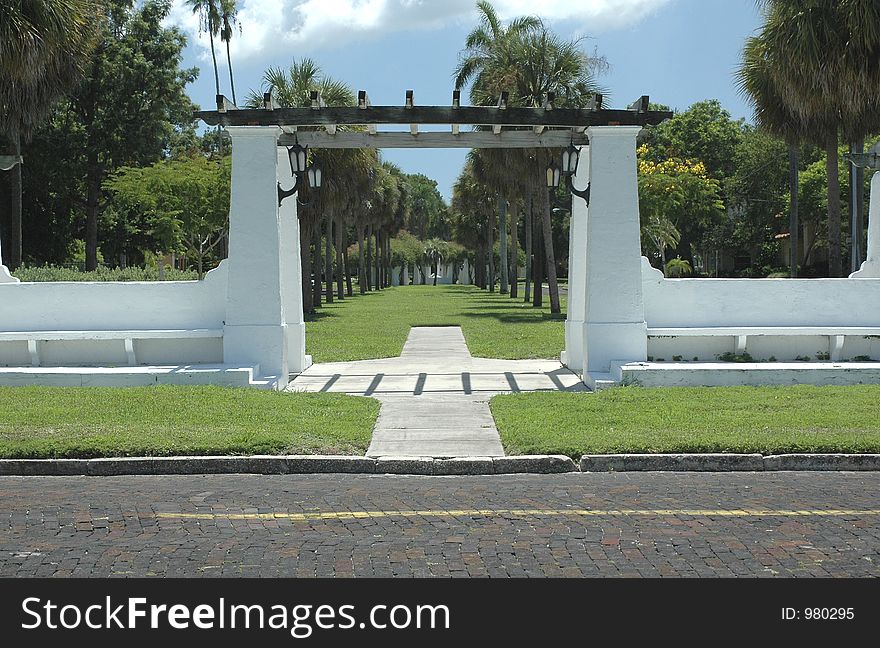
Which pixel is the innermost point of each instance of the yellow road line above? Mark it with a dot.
(350, 515)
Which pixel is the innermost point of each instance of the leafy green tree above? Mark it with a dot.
(182, 205)
(704, 132)
(44, 46)
(677, 199)
(123, 113)
(427, 209)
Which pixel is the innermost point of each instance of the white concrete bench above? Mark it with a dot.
(836, 334)
(34, 338)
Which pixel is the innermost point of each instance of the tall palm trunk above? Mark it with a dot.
(514, 250)
(340, 262)
(214, 58)
(388, 268)
(379, 285)
(530, 266)
(491, 252)
(502, 246)
(793, 219)
(328, 256)
(549, 256)
(10, 204)
(362, 268)
(856, 175)
(369, 259)
(231, 80)
(835, 262)
(305, 255)
(316, 266)
(538, 267)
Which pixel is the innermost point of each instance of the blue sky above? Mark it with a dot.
(676, 51)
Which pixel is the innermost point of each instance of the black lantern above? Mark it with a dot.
(302, 172)
(553, 176)
(299, 157)
(570, 158)
(315, 174)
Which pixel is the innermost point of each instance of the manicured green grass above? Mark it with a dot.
(89, 422)
(765, 420)
(375, 325)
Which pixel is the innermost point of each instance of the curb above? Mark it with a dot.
(728, 462)
(528, 464)
(672, 462)
(287, 465)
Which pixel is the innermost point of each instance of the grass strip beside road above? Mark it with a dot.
(766, 420)
(376, 325)
(88, 422)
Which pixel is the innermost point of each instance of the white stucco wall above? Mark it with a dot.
(759, 302)
(77, 306)
(110, 306)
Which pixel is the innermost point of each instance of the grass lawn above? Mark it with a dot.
(375, 325)
(85, 422)
(765, 420)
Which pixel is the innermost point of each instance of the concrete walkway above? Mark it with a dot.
(435, 396)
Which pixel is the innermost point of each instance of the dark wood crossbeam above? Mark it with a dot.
(476, 115)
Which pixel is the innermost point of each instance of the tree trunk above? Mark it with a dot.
(378, 261)
(502, 246)
(530, 266)
(369, 259)
(305, 255)
(538, 267)
(491, 252)
(93, 201)
(514, 250)
(214, 59)
(549, 256)
(340, 262)
(793, 221)
(362, 268)
(855, 208)
(231, 80)
(316, 266)
(10, 203)
(328, 256)
(835, 263)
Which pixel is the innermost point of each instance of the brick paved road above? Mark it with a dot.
(648, 524)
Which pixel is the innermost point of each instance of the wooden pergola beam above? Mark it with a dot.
(478, 115)
(474, 139)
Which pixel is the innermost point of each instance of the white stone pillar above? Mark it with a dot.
(573, 354)
(291, 271)
(871, 267)
(614, 310)
(255, 330)
(395, 276)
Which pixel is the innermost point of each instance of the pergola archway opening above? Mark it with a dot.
(264, 323)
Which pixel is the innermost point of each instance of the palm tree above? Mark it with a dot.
(43, 48)
(209, 21)
(756, 82)
(486, 45)
(229, 18)
(293, 88)
(824, 58)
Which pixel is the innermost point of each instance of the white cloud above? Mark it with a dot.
(268, 26)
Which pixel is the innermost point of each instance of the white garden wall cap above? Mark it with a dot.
(254, 131)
